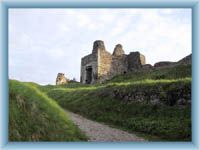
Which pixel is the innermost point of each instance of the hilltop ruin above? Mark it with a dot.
(61, 79)
(100, 65)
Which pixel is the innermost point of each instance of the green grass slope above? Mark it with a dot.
(108, 102)
(177, 72)
(35, 117)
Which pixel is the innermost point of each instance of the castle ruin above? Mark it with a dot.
(100, 65)
(61, 79)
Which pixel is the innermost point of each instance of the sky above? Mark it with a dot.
(44, 42)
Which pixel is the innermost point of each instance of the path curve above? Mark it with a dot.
(101, 132)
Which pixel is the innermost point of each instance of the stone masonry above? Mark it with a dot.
(100, 65)
(61, 79)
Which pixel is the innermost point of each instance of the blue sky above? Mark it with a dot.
(43, 42)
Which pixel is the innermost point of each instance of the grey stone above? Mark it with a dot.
(61, 79)
(100, 65)
(118, 51)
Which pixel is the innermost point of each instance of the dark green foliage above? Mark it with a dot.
(35, 117)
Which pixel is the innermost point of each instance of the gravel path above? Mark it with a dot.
(100, 132)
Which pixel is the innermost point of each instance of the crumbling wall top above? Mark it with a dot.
(118, 51)
(98, 45)
(61, 79)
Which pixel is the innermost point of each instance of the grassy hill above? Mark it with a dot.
(155, 104)
(33, 116)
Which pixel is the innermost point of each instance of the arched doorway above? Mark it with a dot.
(88, 75)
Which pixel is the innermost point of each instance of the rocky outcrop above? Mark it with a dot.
(61, 79)
(169, 94)
(184, 61)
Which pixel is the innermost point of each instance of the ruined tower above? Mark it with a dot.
(100, 65)
(118, 51)
(61, 79)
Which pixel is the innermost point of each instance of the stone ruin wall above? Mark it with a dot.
(119, 61)
(102, 65)
(89, 61)
(61, 79)
(135, 61)
(110, 65)
(105, 65)
(119, 65)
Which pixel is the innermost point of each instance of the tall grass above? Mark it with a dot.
(177, 72)
(166, 122)
(33, 116)
(99, 102)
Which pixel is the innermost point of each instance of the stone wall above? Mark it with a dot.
(89, 61)
(118, 50)
(119, 65)
(119, 61)
(101, 65)
(171, 94)
(61, 79)
(105, 66)
(135, 61)
(166, 94)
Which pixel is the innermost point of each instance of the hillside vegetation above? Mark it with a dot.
(33, 116)
(155, 104)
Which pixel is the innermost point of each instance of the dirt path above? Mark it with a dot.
(100, 132)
